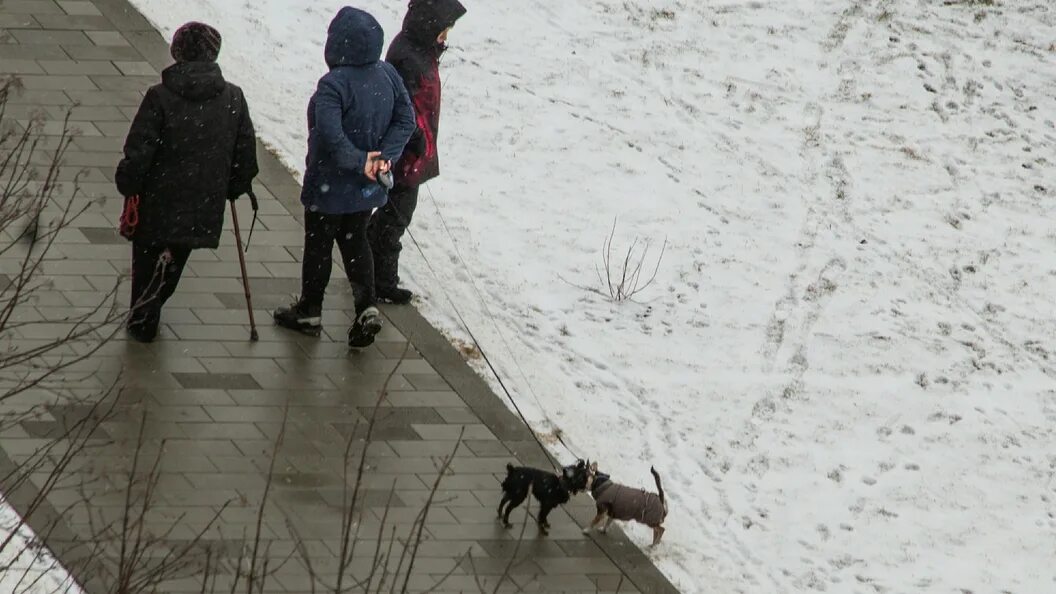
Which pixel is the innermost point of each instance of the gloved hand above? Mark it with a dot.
(235, 190)
(232, 196)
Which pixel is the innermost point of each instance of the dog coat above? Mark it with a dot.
(625, 503)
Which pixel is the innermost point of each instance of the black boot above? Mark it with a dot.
(394, 295)
(142, 325)
(142, 331)
(367, 326)
(301, 317)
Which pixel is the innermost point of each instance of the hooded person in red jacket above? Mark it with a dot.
(415, 52)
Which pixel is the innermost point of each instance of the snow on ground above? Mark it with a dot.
(25, 566)
(845, 369)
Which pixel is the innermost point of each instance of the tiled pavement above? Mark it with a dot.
(215, 401)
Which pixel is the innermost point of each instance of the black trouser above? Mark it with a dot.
(156, 271)
(350, 232)
(387, 226)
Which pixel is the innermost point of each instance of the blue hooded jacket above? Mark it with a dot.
(360, 106)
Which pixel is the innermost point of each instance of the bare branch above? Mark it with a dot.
(622, 280)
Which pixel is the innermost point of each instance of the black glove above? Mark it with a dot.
(234, 194)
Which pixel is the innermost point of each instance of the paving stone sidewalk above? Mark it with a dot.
(214, 402)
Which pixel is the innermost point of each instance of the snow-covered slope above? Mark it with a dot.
(845, 369)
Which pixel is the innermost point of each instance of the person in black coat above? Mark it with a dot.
(415, 52)
(190, 149)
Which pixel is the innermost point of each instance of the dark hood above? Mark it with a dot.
(354, 39)
(195, 81)
(426, 19)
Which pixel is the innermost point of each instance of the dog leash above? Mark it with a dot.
(502, 384)
(624, 575)
(472, 336)
(480, 349)
(129, 217)
(524, 376)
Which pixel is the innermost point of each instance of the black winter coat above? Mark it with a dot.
(416, 55)
(190, 148)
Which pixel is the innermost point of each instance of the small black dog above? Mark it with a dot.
(550, 490)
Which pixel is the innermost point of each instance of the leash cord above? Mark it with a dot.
(476, 342)
(487, 360)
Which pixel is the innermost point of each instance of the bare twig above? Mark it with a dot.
(264, 499)
(622, 279)
(350, 501)
(424, 514)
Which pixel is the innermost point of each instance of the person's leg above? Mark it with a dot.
(319, 232)
(141, 302)
(142, 271)
(306, 314)
(386, 230)
(156, 271)
(172, 271)
(358, 258)
(359, 265)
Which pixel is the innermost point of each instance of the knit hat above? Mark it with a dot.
(195, 42)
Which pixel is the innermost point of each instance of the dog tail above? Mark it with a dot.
(659, 487)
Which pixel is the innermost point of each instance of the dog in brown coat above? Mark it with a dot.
(619, 502)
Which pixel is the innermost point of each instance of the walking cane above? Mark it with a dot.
(245, 278)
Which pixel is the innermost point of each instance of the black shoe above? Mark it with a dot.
(142, 331)
(367, 326)
(394, 295)
(300, 317)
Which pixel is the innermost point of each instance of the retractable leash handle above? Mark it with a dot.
(385, 179)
